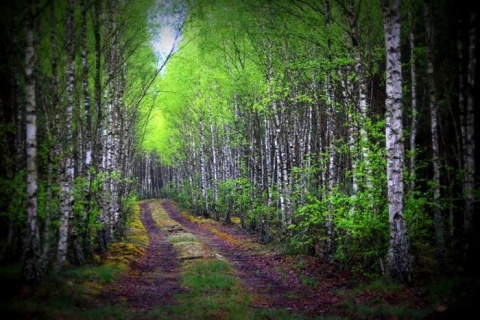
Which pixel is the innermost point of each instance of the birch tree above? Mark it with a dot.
(434, 123)
(399, 264)
(33, 268)
(414, 108)
(68, 158)
(468, 134)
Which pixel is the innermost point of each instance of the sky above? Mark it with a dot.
(165, 41)
(164, 38)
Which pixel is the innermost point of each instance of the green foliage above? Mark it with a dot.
(308, 228)
(234, 196)
(13, 199)
(127, 208)
(360, 234)
(86, 210)
(12, 210)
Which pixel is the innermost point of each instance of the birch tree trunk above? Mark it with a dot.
(88, 160)
(203, 168)
(32, 269)
(399, 264)
(68, 162)
(86, 95)
(99, 146)
(469, 137)
(437, 211)
(331, 176)
(213, 133)
(362, 95)
(414, 116)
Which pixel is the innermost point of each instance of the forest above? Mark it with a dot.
(338, 129)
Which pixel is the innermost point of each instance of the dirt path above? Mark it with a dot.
(275, 281)
(268, 291)
(154, 280)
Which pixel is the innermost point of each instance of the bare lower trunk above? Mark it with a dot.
(414, 116)
(203, 169)
(68, 163)
(32, 269)
(331, 176)
(469, 138)
(399, 264)
(437, 211)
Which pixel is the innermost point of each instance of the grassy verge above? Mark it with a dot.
(70, 294)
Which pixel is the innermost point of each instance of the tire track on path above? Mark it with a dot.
(267, 291)
(153, 280)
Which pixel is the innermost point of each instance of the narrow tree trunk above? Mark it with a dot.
(414, 116)
(98, 148)
(331, 175)
(437, 210)
(362, 95)
(88, 132)
(469, 139)
(68, 162)
(32, 269)
(331, 172)
(399, 264)
(203, 169)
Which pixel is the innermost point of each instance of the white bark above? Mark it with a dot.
(331, 176)
(214, 164)
(362, 97)
(414, 116)
(203, 169)
(86, 93)
(32, 268)
(437, 213)
(399, 264)
(68, 165)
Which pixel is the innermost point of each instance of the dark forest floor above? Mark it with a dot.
(195, 268)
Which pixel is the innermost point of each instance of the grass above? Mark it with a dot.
(309, 281)
(282, 314)
(381, 309)
(210, 277)
(67, 294)
(455, 297)
(70, 294)
(213, 292)
(212, 289)
(102, 274)
(182, 237)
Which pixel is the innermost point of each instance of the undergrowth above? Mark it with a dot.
(72, 292)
